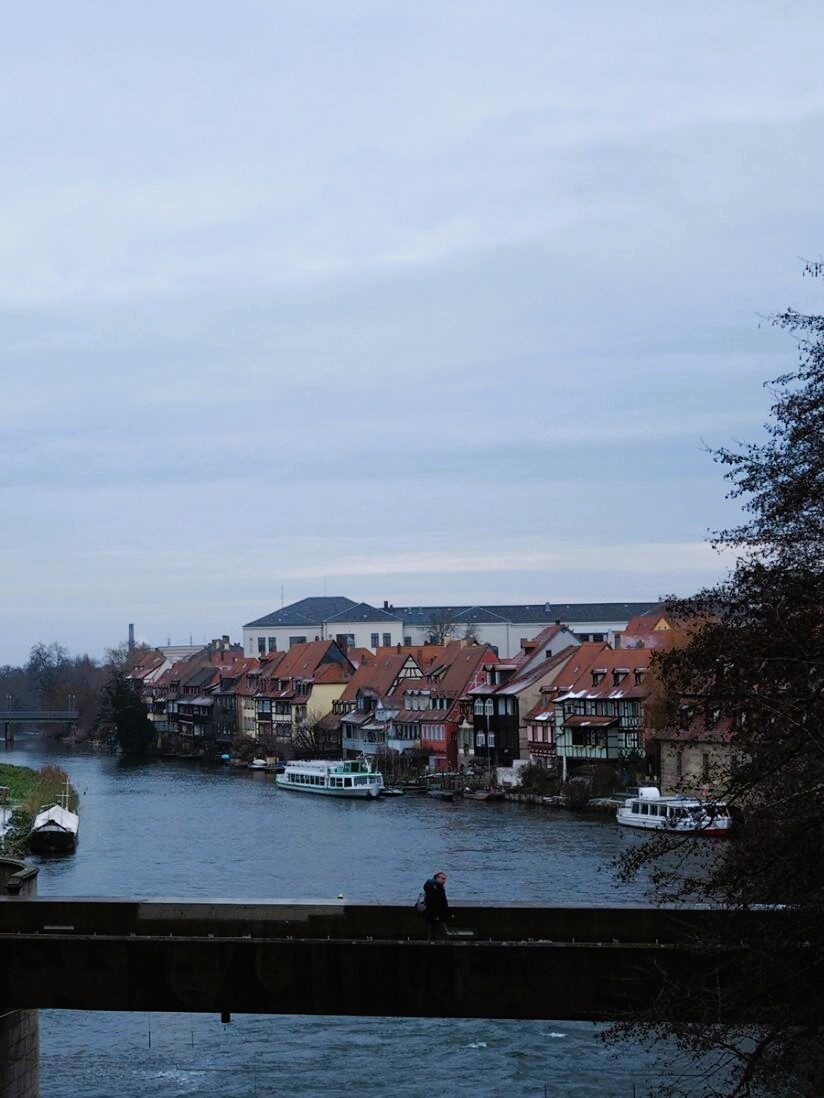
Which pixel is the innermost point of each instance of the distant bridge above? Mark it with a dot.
(339, 958)
(10, 717)
(38, 716)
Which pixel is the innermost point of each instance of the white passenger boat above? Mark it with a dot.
(55, 827)
(650, 811)
(341, 778)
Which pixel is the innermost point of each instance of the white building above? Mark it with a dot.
(364, 626)
(351, 624)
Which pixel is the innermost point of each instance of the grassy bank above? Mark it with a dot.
(29, 790)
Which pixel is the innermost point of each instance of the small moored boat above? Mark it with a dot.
(342, 778)
(650, 811)
(55, 827)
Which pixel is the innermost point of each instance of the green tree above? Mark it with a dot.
(123, 717)
(755, 661)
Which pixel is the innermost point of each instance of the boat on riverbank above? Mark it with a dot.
(341, 778)
(650, 811)
(55, 828)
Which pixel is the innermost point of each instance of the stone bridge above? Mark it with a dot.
(336, 958)
(340, 958)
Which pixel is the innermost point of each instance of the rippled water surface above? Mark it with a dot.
(179, 829)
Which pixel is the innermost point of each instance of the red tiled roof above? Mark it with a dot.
(423, 654)
(379, 675)
(609, 660)
(331, 673)
(302, 660)
(357, 656)
(531, 645)
(453, 673)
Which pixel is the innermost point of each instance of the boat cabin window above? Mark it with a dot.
(347, 782)
(635, 807)
(644, 809)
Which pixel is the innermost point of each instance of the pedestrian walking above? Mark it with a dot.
(436, 906)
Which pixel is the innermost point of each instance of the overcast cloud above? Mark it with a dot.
(433, 302)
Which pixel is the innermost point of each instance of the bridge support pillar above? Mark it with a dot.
(19, 1029)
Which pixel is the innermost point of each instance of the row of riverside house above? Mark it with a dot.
(572, 707)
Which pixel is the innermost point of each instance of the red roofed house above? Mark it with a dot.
(600, 717)
(299, 689)
(366, 708)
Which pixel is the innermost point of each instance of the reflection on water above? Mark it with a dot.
(173, 828)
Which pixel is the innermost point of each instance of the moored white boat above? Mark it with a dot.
(339, 778)
(650, 811)
(6, 820)
(55, 827)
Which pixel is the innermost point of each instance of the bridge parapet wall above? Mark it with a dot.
(523, 961)
(19, 1029)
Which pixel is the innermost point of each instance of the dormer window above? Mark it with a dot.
(619, 674)
(598, 676)
(640, 675)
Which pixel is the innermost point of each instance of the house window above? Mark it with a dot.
(296, 640)
(272, 644)
(598, 638)
(373, 640)
(387, 639)
(407, 641)
(262, 645)
(478, 707)
(345, 639)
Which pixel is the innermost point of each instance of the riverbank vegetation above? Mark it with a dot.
(29, 791)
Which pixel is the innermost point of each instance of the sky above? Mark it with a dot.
(433, 303)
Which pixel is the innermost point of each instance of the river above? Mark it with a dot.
(180, 829)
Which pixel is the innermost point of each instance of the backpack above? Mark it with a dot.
(420, 903)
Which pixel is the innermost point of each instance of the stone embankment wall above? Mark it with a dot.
(19, 1029)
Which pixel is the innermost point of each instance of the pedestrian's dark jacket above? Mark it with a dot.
(437, 905)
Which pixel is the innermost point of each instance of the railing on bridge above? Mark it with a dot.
(38, 716)
(521, 960)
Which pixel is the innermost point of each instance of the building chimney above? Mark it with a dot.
(131, 635)
(386, 604)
